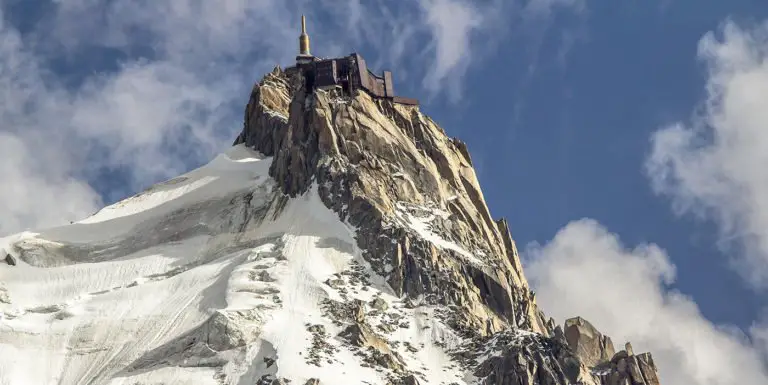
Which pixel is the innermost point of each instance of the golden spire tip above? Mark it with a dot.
(304, 38)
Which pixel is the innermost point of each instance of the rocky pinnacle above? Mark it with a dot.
(381, 166)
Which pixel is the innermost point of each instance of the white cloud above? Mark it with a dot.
(39, 190)
(586, 271)
(714, 165)
(453, 23)
(137, 115)
(466, 32)
(39, 182)
(759, 333)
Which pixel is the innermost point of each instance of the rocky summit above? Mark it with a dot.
(423, 225)
(343, 239)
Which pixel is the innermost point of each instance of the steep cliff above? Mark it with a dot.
(423, 224)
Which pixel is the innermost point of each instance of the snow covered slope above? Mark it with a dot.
(181, 284)
(339, 241)
(88, 299)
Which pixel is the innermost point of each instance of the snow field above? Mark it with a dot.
(90, 308)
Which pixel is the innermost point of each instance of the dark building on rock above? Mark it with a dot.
(349, 73)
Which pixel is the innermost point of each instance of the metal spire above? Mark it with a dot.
(304, 38)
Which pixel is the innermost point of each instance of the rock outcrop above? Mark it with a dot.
(625, 368)
(8, 258)
(422, 223)
(592, 347)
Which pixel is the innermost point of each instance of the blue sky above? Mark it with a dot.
(623, 140)
(583, 132)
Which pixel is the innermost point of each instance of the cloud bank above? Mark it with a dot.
(585, 270)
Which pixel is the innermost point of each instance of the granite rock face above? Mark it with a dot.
(422, 223)
(593, 347)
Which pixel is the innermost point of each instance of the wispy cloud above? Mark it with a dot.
(538, 20)
(714, 165)
(586, 271)
(453, 24)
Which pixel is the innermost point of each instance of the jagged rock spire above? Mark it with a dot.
(422, 224)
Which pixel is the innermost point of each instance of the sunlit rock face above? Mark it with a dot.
(341, 240)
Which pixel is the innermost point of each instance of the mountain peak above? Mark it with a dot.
(376, 160)
(421, 220)
(343, 239)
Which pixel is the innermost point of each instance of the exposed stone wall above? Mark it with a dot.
(374, 162)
